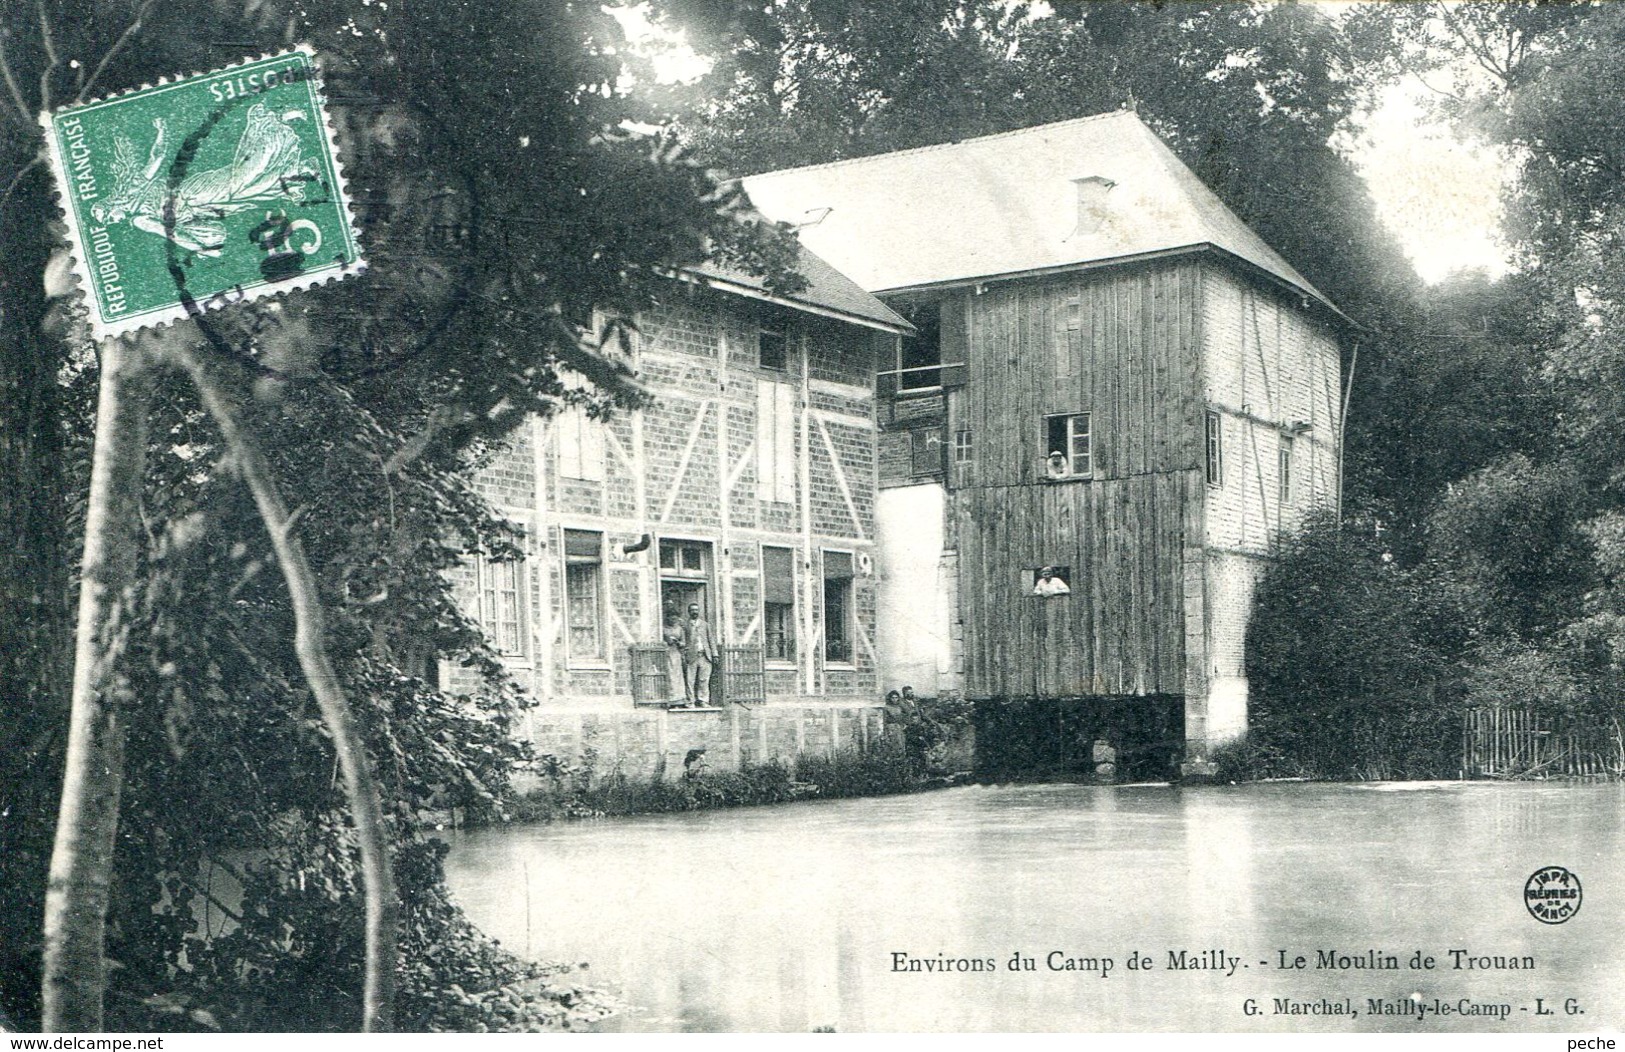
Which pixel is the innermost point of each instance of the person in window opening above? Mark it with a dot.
(699, 651)
(1057, 462)
(671, 633)
(1048, 584)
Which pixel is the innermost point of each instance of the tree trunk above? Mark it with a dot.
(36, 615)
(87, 822)
(310, 644)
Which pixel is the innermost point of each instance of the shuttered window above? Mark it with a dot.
(838, 607)
(581, 444)
(583, 590)
(776, 442)
(778, 604)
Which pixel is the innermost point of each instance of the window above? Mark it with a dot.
(776, 442)
(686, 558)
(1215, 451)
(583, 587)
(1051, 581)
(1284, 462)
(581, 444)
(500, 603)
(1068, 446)
(921, 354)
(926, 452)
(838, 607)
(964, 447)
(778, 604)
(772, 350)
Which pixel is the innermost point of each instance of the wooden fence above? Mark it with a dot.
(1498, 742)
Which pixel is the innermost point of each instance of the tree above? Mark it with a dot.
(1343, 663)
(503, 206)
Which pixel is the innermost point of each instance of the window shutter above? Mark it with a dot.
(784, 443)
(581, 445)
(583, 546)
(765, 435)
(778, 576)
(568, 425)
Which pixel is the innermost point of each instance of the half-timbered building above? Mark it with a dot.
(1113, 380)
(746, 488)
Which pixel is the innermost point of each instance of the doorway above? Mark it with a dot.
(685, 580)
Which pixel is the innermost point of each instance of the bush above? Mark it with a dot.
(882, 770)
(1345, 657)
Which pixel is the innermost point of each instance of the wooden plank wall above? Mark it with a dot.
(1122, 345)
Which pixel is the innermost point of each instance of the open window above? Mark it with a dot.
(1068, 446)
(920, 361)
(773, 350)
(1052, 581)
(918, 364)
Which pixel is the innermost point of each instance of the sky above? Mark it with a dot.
(1440, 196)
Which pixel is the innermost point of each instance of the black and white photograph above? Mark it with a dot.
(812, 516)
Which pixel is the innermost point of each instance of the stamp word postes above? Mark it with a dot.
(201, 192)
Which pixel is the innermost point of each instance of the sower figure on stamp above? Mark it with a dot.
(699, 652)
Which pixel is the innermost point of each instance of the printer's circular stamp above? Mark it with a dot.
(1552, 894)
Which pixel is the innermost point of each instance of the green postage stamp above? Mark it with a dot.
(200, 192)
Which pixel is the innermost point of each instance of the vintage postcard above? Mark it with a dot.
(962, 517)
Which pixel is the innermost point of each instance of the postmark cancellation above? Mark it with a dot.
(203, 191)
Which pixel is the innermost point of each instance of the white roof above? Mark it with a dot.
(1008, 204)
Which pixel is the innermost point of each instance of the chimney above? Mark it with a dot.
(1093, 210)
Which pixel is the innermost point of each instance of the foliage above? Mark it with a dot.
(1344, 662)
(503, 207)
(1510, 536)
(579, 791)
(932, 724)
(1250, 95)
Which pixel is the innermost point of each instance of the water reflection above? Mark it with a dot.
(791, 918)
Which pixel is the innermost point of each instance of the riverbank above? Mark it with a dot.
(885, 769)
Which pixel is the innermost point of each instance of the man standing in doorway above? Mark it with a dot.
(699, 651)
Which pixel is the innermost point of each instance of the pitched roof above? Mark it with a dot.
(1009, 204)
(829, 292)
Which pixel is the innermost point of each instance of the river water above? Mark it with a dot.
(808, 915)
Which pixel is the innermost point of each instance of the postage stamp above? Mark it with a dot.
(201, 192)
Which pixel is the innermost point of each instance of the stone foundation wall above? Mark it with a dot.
(651, 743)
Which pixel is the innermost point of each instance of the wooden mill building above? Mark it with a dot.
(747, 487)
(1114, 378)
